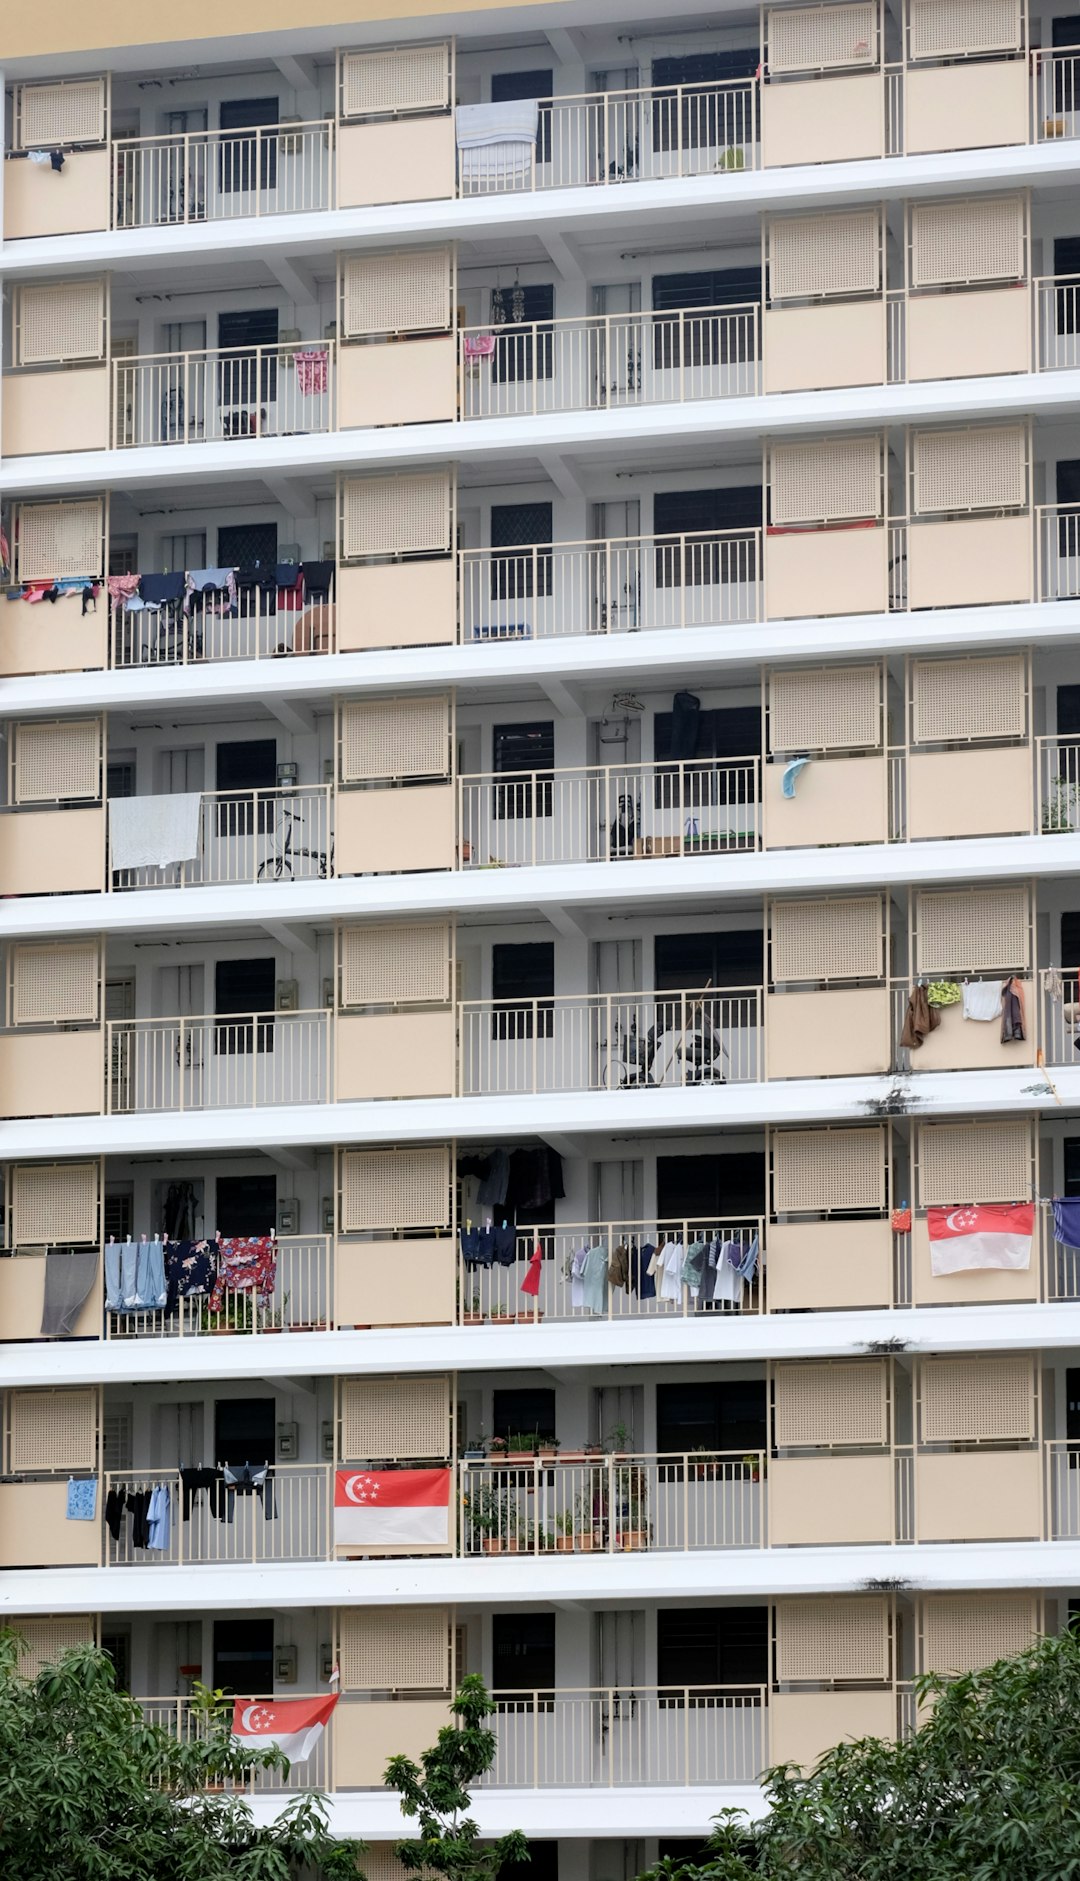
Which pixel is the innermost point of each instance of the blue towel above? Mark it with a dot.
(791, 775)
(1067, 1221)
(81, 1498)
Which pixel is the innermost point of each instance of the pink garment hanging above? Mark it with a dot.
(311, 374)
(122, 587)
(531, 1282)
(479, 345)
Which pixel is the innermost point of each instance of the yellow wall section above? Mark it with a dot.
(72, 26)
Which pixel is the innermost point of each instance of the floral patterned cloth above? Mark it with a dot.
(245, 1265)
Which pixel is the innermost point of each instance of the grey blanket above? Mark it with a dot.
(68, 1280)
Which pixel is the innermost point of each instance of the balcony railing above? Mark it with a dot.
(301, 1300)
(213, 176)
(225, 1061)
(250, 836)
(614, 1504)
(287, 1518)
(248, 392)
(262, 624)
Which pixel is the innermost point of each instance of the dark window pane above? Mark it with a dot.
(697, 119)
(1072, 1165)
(536, 84)
(519, 353)
(721, 732)
(527, 1411)
(251, 549)
(705, 342)
(523, 1652)
(244, 1430)
(246, 1205)
(520, 527)
(244, 986)
(529, 748)
(711, 1646)
(241, 158)
(682, 961)
(1070, 941)
(250, 764)
(708, 1188)
(701, 513)
(542, 1865)
(523, 971)
(244, 1655)
(246, 379)
(1068, 712)
(704, 1415)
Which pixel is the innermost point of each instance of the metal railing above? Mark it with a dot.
(610, 1041)
(609, 361)
(187, 1720)
(1060, 1016)
(212, 1062)
(224, 393)
(492, 1295)
(629, 1735)
(613, 1504)
(611, 812)
(1056, 93)
(285, 834)
(301, 1300)
(649, 132)
(212, 176)
(287, 1519)
(261, 624)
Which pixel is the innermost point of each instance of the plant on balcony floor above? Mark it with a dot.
(436, 1791)
(89, 1791)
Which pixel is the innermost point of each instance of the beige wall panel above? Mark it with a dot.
(35, 1531)
(816, 1265)
(396, 604)
(959, 336)
(961, 1044)
(986, 1286)
(830, 1499)
(51, 1074)
(52, 852)
(826, 571)
(965, 106)
(395, 1283)
(970, 793)
(804, 1725)
(65, 642)
(828, 1033)
(823, 120)
(978, 1495)
(405, 382)
(388, 831)
(366, 1735)
(409, 159)
(395, 1054)
(834, 343)
(40, 201)
(22, 1294)
(837, 800)
(971, 562)
(55, 411)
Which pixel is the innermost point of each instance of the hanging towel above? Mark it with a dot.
(122, 587)
(114, 1284)
(512, 121)
(727, 1286)
(311, 371)
(531, 1282)
(156, 589)
(68, 1280)
(641, 1272)
(920, 1019)
(151, 832)
(479, 345)
(594, 1279)
(1066, 1211)
(982, 999)
(694, 1266)
(792, 772)
(159, 1517)
(81, 1498)
(1013, 1026)
(618, 1272)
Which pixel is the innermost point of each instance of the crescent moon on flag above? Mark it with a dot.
(350, 1485)
(249, 1717)
(955, 1220)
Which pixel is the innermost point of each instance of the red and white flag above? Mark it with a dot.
(388, 1508)
(295, 1725)
(987, 1234)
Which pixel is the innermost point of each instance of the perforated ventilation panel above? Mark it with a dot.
(840, 1638)
(832, 708)
(44, 1639)
(975, 1162)
(395, 1419)
(967, 1398)
(969, 699)
(405, 1188)
(981, 468)
(397, 515)
(58, 761)
(964, 1632)
(53, 1204)
(381, 1864)
(822, 1171)
(61, 322)
(56, 539)
(827, 940)
(55, 983)
(384, 738)
(822, 255)
(400, 78)
(62, 114)
(837, 480)
(52, 1431)
(404, 293)
(979, 239)
(973, 930)
(825, 1404)
(811, 39)
(938, 29)
(405, 1649)
(395, 966)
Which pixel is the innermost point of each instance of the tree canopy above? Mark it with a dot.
(987, 1790)
(436, 1791)
(90, 1792)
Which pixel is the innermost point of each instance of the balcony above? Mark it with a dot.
(214, 176)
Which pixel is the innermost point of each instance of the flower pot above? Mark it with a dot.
(634, 1539)
(522, 1456)
(564, 1544)
(572, 1456)
(493, 1544)
(527, 1319)
(586, 1544)
(472, 1319)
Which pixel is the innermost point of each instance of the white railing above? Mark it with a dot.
(261, 625)
(286, 1519)
(596, 1041)
(1062, 1491)
(1057, 544)
(1057, 323)
(187, 1720)
(212, 1062)
(492, 1294)
(1060, 1016)
(212, 176)
(1056, 93)
(606, 361)
(627, 585)
(610, 812)
(226, 393)
(629, 1735)
(301, 1300)
(631, 136)
(613, 1504)
(276, 835)
(1058, 786)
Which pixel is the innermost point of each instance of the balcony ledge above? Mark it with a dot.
(620, 1811)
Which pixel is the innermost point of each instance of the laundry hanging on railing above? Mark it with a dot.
(191, 1269)
(497, 142)
(68, 1280)
(134, 1276)
(311, 372)
(153, 832)
(245, 1265)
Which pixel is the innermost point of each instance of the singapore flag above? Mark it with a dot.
(988, 1234)
(295, 1725)
(391, 1508)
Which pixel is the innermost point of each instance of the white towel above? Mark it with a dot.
(513, 122)
(982, 999)
(151, 832)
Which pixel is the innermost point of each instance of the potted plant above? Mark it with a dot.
(566, 1534)
(752, 1466)
(620, 1438)
(547, 1447)
(631, 1496)
(472, 1316)
(497, 1449)
(486, 1514)
(589, 1519)
(523, 1446)
(473, 1450)
(273, 1319)
(703, 1466)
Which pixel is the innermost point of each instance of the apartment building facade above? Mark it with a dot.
(540, 827)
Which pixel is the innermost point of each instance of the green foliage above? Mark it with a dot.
(90, 1792)
(436, 1791)
(987, 1790)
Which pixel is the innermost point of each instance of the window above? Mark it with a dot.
(722, 960)
(696, 119)
(523, 971)
(250, 549)
(183, 551)
(1066, 268)
(701, 1414)
(711, 1188)
(542, 1865)
(524, 1410)
(243, 987)
(1068, 711)
(246, 1205)
(245, 766)
(244, 1656)
(724, 732)
(538, 84)
(516, 528)
(523, 1652)
(241, 158)
(703, 513)
(675, 323)
(712, 1646)
(1072, 1165)
(244, 1430)
(519, 353)
(524, 748)
(247, 380)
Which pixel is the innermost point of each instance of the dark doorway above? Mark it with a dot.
(542, 1865)
(684, 961)
(245, 765)
(244, 1657)
(246, 1205)
(250, 549)
(524, 347)
(247, 378)
(705, 1414)
(244, 987)
(523, 1652)
(697, 340)
(244, 1430)
(516, 529)
(704, 514)
(523, 972)
(697, 119)
(243, 158)
(712, 1646)
(536, 84)
(524, 1410)
(526, 748)
(731, 732)
(711, 1188)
